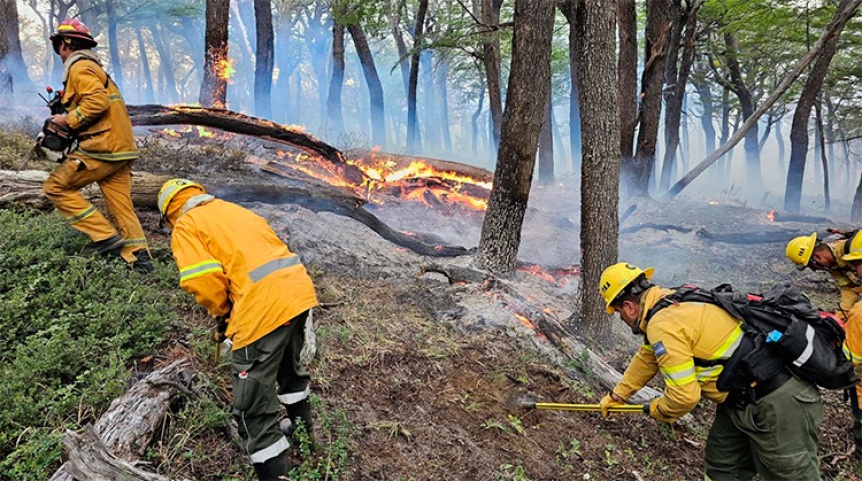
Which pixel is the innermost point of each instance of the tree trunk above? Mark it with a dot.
(799, 127)
(375, 88)
(546, 143)
(827, 198)
(113, 47)
(442, 74)
(431, 131)
(491, 60)
(676, 91)
(149, 92)
(474, 122)
(569, 9)
(779, 139)
(627, 83)
(413, 140)
(601, 163)
(214, 85)
(165, 61)
(404, 66)
(522, 122)
(334, 123)
(842, 15)
(636, 172)
(856, 210)
(264, 58)
(10, 47)
(746, 105)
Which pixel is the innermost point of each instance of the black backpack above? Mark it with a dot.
(781, 328)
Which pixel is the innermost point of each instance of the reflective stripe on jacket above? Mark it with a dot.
(681, 336)
(853, 340)
(96, 110)
(233, 262)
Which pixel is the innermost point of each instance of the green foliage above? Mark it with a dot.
(328, 457)
(13, 147)
(72, 326)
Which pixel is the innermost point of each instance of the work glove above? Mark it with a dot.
(220, 329)
(608, 402)
(654, 412)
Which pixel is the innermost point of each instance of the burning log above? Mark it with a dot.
(126, 429)
(781, 236)
(775, 216)
(244, 124)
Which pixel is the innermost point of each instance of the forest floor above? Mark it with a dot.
(412, 373)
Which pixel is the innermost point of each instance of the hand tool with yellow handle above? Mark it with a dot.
(530, 402)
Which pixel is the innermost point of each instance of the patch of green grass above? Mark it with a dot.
(13, 146)
(327, 458)
(72, 327)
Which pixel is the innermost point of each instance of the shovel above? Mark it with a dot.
(528, 401)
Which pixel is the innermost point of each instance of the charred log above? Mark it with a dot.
(751, 237)
(25, 188)
(650, 225)
(126, 429)
(809, 219)
(244, 124)
(459, 274)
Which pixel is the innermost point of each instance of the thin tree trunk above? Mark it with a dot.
(474, 124)
(842, 15)
(395, 25)
(491, 61)
(166, 63)
(522, 122)
(113, 47)
(802, 113)
(546, 144)
(559, 150)
(627, 83)
(636, 173)
(600, 173)
(10, 47)
(569, 9)
(264, 58)
(372, 80)
(827, 198)
(413, 140)
(746, 104)
(214, 86)
(334, 123)
(149, 92)
(442, 74)
(432, 132)
(856, 210)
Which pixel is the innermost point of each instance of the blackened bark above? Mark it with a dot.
(601, 163)
(675, 92)
(372, 80)
(413, 140)
(149, 92)
(636, 172)
(113, 48)
(522, 122)
(334, 117)
(799, 127)
(214, 86)
(627, 81)
(264, 58)
(546, 143)
(491, 61)
(569, 9)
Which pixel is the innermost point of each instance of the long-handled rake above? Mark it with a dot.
(528, 401)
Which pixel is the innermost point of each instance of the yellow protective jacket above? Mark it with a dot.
(853, 341)
(848, 284)
(677, 335)
(233, 263)
(96, 110)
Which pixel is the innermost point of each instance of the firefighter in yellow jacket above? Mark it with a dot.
(239, 270)
(853, 340)
(809, 252)
(769, 429)
(105, 152)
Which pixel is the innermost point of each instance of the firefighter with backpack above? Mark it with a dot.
(769, 428)
(812, 253)
(853, 343)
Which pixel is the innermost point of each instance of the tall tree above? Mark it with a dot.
(443, 91)
(10, 46)
(601, 162)
(569, 10)
(113, 46)
(149, 92)
(413, 140)
(627, 80)
(165, 61)
(491, 60)
(807, 99)
(636, 172)
(372, 80)
(334, 118)
(738, 86)
(546, 143)
(522, 121)
(264, 58)
(214, 85)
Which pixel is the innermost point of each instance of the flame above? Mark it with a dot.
(558, 276)
(224, 69)
(713, 202)
(771, 215)
(202, 132)
(525, 321)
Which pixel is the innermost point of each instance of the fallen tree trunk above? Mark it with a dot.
(25, 188)
(127, 428)
(237, 123)
(751, 237)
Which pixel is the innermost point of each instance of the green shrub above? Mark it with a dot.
(13, 146)
(72, 327)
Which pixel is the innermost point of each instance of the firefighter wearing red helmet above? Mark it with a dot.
(105, 151)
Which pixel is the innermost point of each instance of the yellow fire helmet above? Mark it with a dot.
(853, 248)
(799, 249)
(616, 278)
(171, 188)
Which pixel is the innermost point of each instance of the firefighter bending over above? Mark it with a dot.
(770, 429)
(809, 252)
(241, 272)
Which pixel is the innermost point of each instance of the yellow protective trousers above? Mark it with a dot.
(115, 180)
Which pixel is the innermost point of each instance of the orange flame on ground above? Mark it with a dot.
(558, 277)
(713, 202)
(771, 215)
(525, 321)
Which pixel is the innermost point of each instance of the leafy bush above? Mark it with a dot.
(13, 146)
(72, 326)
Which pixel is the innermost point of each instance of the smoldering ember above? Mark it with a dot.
(494, 202)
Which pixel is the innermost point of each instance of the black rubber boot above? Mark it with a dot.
(272, 469)
(112, 244)
(301, 411)
(143, 262)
